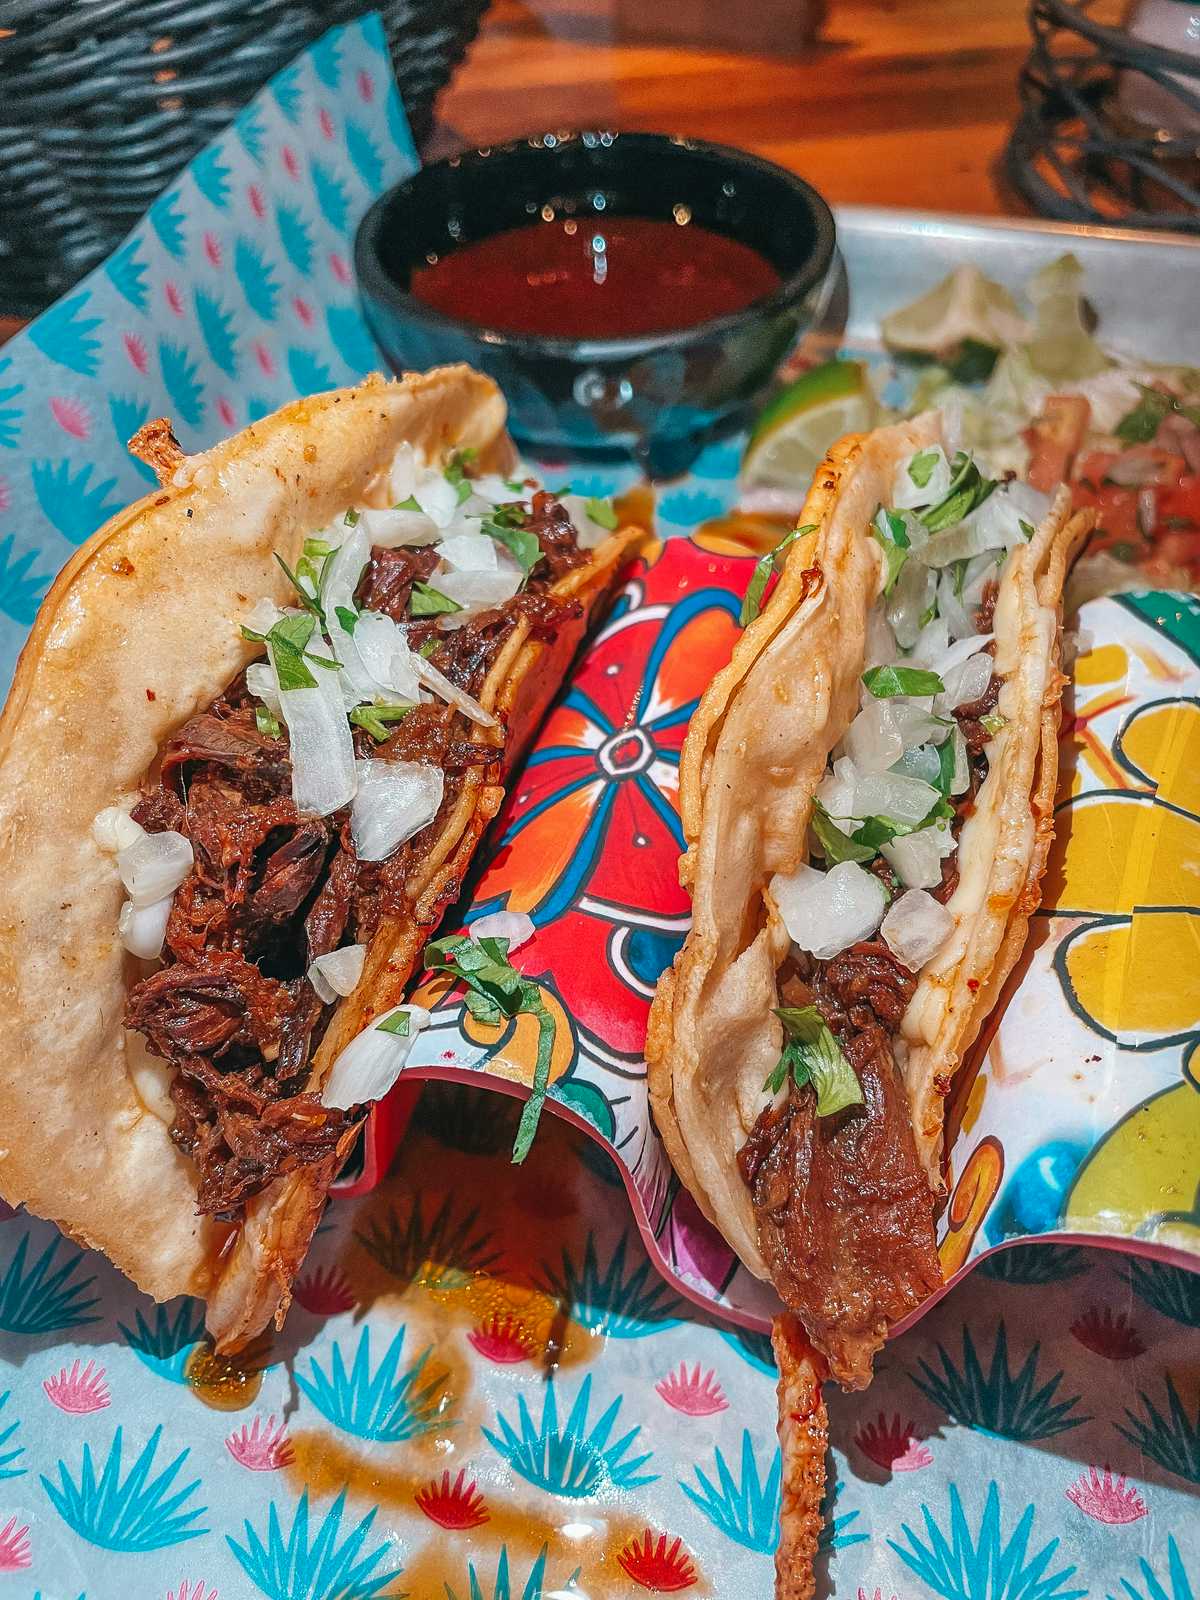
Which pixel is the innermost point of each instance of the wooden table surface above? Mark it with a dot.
(899, 102)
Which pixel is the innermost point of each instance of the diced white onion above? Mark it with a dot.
(956, 653)
(964, 683)
(142, 929)
(908, 603)
(395, 799)
(996, 524)
(493, 490)
(952, 606)
(338, 972)
(961, 781)
(263, 617)
(480, 572)
(922, 762)
(915, 928)
(322, 749)
(836, 792)
(260, 681)
(372, 1061)
(515, 926)
(825, 912)
(390, 668)
(873, 741)
(891, 794)
(402, 479)
(391, 528)
(588, 533)
(437, 497)
(906, 494)
(452, 694)
(881, 641)
(154, 866)
(469, 552)
(114, 830)
(917, 857)
(931, 645)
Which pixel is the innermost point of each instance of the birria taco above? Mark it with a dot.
(867, 796)
(260, 724)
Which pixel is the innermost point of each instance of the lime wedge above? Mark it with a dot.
(803, 420)
(964, 306)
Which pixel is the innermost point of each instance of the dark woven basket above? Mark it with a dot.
(102, 103)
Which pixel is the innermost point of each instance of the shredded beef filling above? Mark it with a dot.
(231, 1008)
(842, 1203)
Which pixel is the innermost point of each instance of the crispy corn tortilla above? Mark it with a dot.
(755, 753)
(138, 634)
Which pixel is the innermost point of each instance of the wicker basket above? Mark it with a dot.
(92, 129)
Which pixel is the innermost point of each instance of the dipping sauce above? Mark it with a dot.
(596, 277)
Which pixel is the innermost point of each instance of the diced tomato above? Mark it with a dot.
(1116, 508)
(1054, 438)
(1174, 543)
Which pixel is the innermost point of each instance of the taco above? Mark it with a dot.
(866, 792)
(262, 719)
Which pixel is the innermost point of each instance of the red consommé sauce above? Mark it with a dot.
(597, 278)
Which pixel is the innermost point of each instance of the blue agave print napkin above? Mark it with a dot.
(476, 1400)
(234, 294)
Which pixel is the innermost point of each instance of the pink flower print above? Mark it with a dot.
(77, 1392)
(692, 1394)
(71, 416)
(261, 1449)
(1106, 1499)
(15, 1554)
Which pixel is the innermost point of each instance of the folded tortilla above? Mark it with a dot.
(755, 753)
(136, 636)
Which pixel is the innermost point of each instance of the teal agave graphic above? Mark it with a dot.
(297, 1568)
(999, 1400)
(126, 270)
(331, 196)
(257, 278)
(7, 1457)
(366, 158)
(216, 326)
(1172, 1440)
(502, 1589)
(295, 238)
(21, 591)
(248, 125)
(181, 375)
(167, 219)
(211, 176)
(128, 413)
(285, 86)
(41, 1301)
(1147, 1587)
(74, 505)
(10, 415)
(326, 57)
(835, 1530)
(383, 1404)
(752, 1347)
(745, 1510)
(131, 1514)
(605, 1300)
(1036, 1263)
(963, 1565)
(165, 1345)
(450, 1112)
(572, 1460)
(349, 333)
(444, 1253)
(308, 372)
(65, 335)
(1170, 1290)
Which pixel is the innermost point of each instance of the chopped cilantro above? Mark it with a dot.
(256, 638)
(974, 362)
(267, 722)
(495, 989)
(429, 602)
(888, 527)
(602, 512)
(351, 517)
(306, 599)
(456, 473)
(428, 649)
(287, 640)
(411, 504)
(837, 846)
(812, 1055)
(1141, 424)
(1027, 528)
(993, 722)
(968, 489)
(920, 468)
(316, 549)
(398, 1023)
(885, 682)
(347, 618)
(375, 719)
(520, 542)
(763, 568)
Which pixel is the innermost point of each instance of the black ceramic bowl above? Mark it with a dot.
(658, 395)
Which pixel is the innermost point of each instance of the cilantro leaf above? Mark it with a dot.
(430, 602)
(400, 1024)
(1027, 528)
(920, 468)
(837, 846)
(306, 599)
(287, 640)
(602, 512)
(968, 489)
(411, 504)
(1141, 424)
(267, 722)
(428, 648)
(496, 989)
(351, 518)
(375, 719)
(520, 542)
(888, 528)
(885, 682)
(347, 618)
(763, 568)
(974, 362)
(812, 1054)
(316, 549)
(455, 473)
